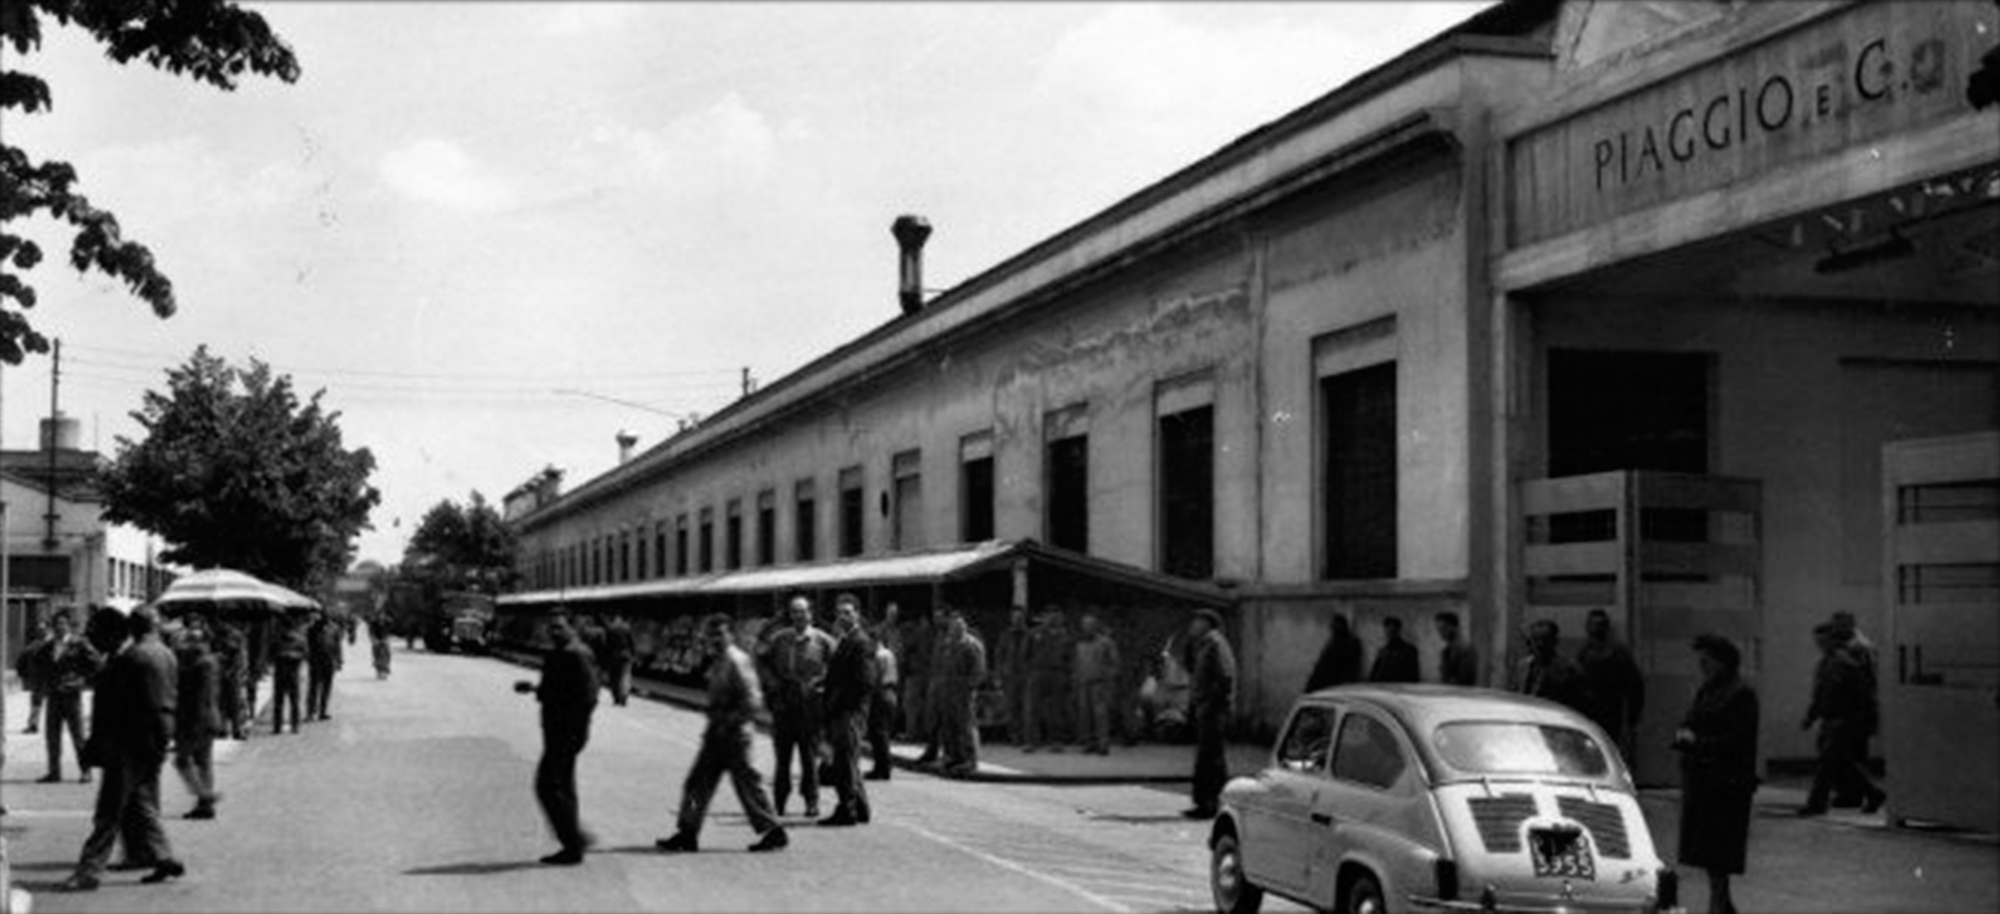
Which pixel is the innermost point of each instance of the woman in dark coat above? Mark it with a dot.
(1718, 745)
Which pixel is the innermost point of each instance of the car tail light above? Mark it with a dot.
(1447, 878)
(1670, 890)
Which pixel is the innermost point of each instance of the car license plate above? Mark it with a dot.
(1561, 852)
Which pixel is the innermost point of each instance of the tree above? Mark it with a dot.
(462, 548)
(210, 40)
(235, 471)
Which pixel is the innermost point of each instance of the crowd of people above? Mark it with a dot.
(161, 693)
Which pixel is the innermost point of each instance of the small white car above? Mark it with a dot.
(1386, 798)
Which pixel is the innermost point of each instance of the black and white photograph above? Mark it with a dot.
(1102, 456)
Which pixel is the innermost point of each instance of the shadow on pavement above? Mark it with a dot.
(44, 867)
(474, 869)
(1137, 820)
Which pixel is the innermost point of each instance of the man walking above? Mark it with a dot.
(1612, 679)
(1096, 673)
(850, 686)
(568, 695)
(1458, 662)
(1212, 666)
(1397, 660)
(1841, 708)
(733, 702)
(960, 668)
(134, 719)
(289, 655)
(799, 655)
(197, 720)
(71, 663)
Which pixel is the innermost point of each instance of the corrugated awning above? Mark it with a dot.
(922, 567)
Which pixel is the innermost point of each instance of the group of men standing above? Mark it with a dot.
(312, 643)
(1057, 684)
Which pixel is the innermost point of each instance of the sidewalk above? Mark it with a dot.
(1145, 763)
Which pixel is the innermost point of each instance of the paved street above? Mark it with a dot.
(416, 796)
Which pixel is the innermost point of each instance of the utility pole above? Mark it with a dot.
(49, 540)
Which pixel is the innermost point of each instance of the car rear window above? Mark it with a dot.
(1501, 747)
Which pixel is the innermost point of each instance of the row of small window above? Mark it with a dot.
(1359, 473)
(132, 579)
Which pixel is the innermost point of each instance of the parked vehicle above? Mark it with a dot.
(471, 616)
(1387, 798)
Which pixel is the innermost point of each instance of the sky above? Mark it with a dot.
(499, 234)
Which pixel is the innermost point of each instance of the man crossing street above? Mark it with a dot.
(734, 700)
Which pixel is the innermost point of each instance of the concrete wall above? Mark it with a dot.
(1805, 393)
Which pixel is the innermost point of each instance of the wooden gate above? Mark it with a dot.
(1941, 667)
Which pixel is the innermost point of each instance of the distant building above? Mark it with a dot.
(61, 554)
(1574, 305)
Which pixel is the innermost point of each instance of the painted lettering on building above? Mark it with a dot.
(1831, 84)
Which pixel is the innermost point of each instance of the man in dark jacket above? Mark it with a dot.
(734, 700)
(1051, 660)
(71, 663)
(850, 688)
(618, 652)
(568, 695)
(1339, 658)
(1841, 708)
(1212, 668)
(1458, 662)
(133, 724)
(1547, 673)
(1010, 664)
(323, 654)
(1617, 689)
(197, 719)
(31, 665)
(288, 656)
(1396, 661)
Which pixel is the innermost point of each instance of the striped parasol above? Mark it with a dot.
(225, 588)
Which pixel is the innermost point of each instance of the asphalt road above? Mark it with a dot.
(417, 796)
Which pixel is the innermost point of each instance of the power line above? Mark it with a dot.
(363, 373)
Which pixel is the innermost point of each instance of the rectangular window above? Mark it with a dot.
(767, 527)
(907, 493)
(976, 493)
(1359, 481)
(853, 512)
(597, 560)
(733, 533)
(805, 522)
(625, 556)
(1067, 469)
(681, 566)
(1186, 474)
(660, 549)
(705, 540)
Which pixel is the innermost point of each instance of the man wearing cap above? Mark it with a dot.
(1212, 667)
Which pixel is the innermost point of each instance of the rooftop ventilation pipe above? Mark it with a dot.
(625, 442)
(911, 232)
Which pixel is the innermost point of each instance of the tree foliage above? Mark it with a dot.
(461, 547)
(211, 41)
(236, 471)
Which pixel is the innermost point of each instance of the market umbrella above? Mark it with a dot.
(223, 587)
(292, 600)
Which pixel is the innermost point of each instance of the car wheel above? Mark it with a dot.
(1365, 896)
(1233, 891)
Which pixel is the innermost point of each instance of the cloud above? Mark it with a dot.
(727, 146)
(438, 172)
(576, 18)
(1163, 73)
